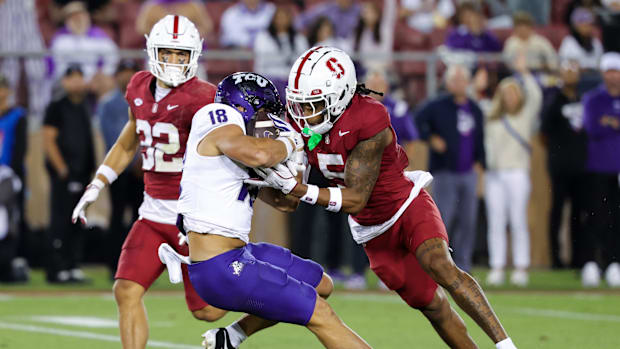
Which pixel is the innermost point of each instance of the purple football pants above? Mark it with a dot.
(261, 279)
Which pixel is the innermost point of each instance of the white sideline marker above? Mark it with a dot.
(567, 314)
(87, 335)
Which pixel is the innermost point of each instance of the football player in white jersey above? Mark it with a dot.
(215, 211)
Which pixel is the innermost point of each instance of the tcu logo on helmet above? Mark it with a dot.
(340, 69)
(239, 77)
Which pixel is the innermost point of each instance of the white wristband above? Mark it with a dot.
(311, 195)
(107, 172)
(97, 183)
(335, 199)
(505, 344)
(288, 144)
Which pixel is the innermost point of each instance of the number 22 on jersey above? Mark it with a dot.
(153, 156)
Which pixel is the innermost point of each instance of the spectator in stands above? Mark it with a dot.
(13, 133)
(610, 23)
(541, 55)
(539, 10)
(20, 32)
(471, 34)
(154, 10)
(243, 21)
(427, 15)
(601, 109)
(582, 45)
(500, 14)
(343, 15)
(81, 43)
(508, 131)
(322, 34)
(401, 114)
(126, 191)
(277, 48)
(374, 34)
(69, 150)
(452, 124)
(562, 128)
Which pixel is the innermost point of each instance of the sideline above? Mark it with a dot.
(88, 335)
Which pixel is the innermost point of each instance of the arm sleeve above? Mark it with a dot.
(19, 151)
(479, 152)
(533, 96)
(374, 121)
(52, 117)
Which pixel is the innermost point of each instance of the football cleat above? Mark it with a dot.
(217, 338)
(590, 275)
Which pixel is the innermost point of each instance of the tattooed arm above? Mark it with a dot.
(360, 174)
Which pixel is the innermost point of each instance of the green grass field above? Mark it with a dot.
(552, 313)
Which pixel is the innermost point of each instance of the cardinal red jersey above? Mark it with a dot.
(363, 119)
(163, 128)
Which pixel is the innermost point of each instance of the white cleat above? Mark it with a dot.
(172, 259)
(495, 277)
(217, 338)
(612, 275)
(519, 277)
(590, 275)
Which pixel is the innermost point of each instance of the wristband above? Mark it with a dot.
(107, 172)
(311, 195)
(335, 199)
(505, 344)
(288, 144)
(97, 183)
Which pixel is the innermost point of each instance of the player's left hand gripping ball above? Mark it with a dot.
(90, 195)
(278, 177)
(295, 160)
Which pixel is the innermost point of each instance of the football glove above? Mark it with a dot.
(278, 177)
(90, 195)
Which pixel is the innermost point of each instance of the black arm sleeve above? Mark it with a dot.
(19, 151)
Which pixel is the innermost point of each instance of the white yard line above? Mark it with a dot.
(87, 335)
(566, 314)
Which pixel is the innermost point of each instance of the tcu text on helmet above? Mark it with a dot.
(240, 77)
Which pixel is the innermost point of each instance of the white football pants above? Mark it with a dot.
(507, 193)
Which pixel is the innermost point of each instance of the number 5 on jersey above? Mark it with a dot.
(153, 155)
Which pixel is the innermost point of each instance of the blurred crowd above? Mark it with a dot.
(512, 72)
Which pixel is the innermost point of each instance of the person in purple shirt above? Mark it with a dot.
(452, 124)
(602, 125)
(401, 116)
(471, 34)
(344, 15)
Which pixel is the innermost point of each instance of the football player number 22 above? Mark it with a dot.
(153, 157)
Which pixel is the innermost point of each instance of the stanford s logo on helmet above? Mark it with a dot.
(321, 74)
(174, 32)
(250, 91)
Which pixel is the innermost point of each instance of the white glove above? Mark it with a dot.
(278, 177)
(295, 161)
(90, 195)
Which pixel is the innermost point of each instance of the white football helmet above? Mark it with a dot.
(176, 32)
(321, 74)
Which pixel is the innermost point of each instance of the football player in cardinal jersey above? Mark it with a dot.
(350, 139)
(162, 103)
(216, 212)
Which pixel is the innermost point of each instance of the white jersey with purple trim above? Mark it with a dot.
(213, 197)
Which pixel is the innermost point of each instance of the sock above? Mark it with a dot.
(505, 344)
(236, 334)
